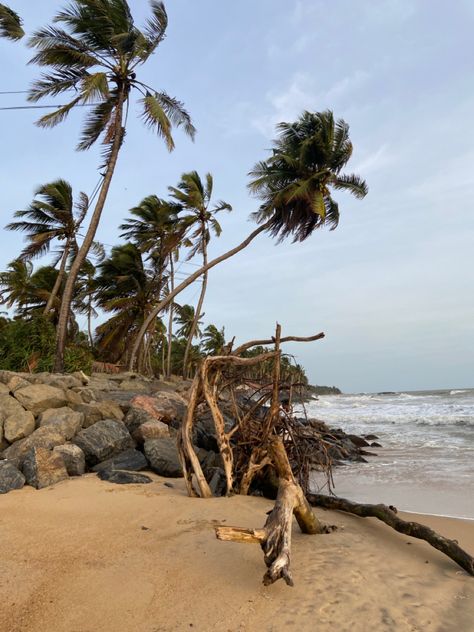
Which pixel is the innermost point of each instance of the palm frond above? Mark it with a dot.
(54, 118)
(10, 24)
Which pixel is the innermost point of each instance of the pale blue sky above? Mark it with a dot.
(392, 287)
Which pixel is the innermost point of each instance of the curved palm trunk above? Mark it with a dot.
(188, 282)
(197, 313)
(170, 321)
(59, 279)
(61, 331)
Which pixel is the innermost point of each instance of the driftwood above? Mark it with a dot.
(389, 515)
(275, 537)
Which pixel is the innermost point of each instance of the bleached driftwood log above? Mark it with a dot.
(275, 536)
(389, 515)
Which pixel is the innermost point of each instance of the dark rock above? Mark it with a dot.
(130, 460)
(103, 440)
(375, 445)
(43, 467)
(358, 441)
(123, 477)
(217, 481)
(370, 437)
(162, 455)
(10, 477)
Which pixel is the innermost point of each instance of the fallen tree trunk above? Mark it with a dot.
(388, 515)
(275, 537)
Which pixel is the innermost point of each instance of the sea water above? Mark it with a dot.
(426, 463)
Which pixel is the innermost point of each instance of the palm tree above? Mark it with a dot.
(195, 196)
(96, 53)
(85, 295)
(213, 340)
(126, 288)
(185, 319)
(10, 24)
(51, 217)
(157, 230)
(306, 162)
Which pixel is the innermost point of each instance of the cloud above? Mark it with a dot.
(302, 94)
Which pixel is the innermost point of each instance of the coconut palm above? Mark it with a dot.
(85, 295)
(156, 229)
(126, 288)
(49, 218)
(213, 340)
(195, 196)
(185, 319)
(10, 24)
(295, 184)
(95, 49)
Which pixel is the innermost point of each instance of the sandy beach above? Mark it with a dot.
(90, 556)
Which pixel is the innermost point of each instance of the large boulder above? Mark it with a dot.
(123, 477)
(18, 426)
(167, 407)
(39, 397)
(65, 420)
(103, 440)
(110, 410)
(91, 412)
(153, 429)
(16, 383)
(162, 455)
(45, 437)
(43, 467)
(10, 477)
(4, 390)
(9, 406)
(73, 458)
(131, 460)
(63, 381)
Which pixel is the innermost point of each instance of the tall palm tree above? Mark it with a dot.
(51, 217)
(185, 319)
(213, 340)
(126, 288)
(195, 196)
(306, 163)
(96, 52)
(10, 24)
(157, 231)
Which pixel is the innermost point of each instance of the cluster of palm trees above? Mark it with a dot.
(93, 51)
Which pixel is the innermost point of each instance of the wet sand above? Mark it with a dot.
(90, 556)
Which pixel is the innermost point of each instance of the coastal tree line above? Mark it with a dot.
(92, 53)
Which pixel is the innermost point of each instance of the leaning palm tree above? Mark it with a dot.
(195, 197)
(295, 185)
(10, 24)
(49, 218)
(15, 283)
(185, 319)
(213, 340)
(95, 52)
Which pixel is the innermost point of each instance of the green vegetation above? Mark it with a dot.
(94, 51)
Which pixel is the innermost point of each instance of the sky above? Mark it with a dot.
(393, 286)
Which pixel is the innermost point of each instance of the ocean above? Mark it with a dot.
(426, 463)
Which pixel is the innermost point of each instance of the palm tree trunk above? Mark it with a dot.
(184, 284)
(61, 331)
(89, 327)
(197, 313)
(59, 280)
(170, 321)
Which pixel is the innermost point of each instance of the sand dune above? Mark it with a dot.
(90, 556)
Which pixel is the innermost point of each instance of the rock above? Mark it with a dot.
(9, 406)
(72, 397)
(101, 384)
(153, 429)
(358, 441)
(162, 455)
(217, 481)
(10, 477)
(122, 477)
(110, 410)
(104, 439)
(17, 382)
(134, 385)
(46, 437)
(130, 460)
(163, 406)
(6, 376)
(42, 468)
(18, 426)
(73, 458)
(86, 394)
(65, 420)
(63, 381)
(91, 413)
(39, 397)
(370, 437)
(374, 444)
(82, 377)
(4, 390)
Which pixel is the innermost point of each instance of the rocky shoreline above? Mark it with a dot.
(53, 427)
